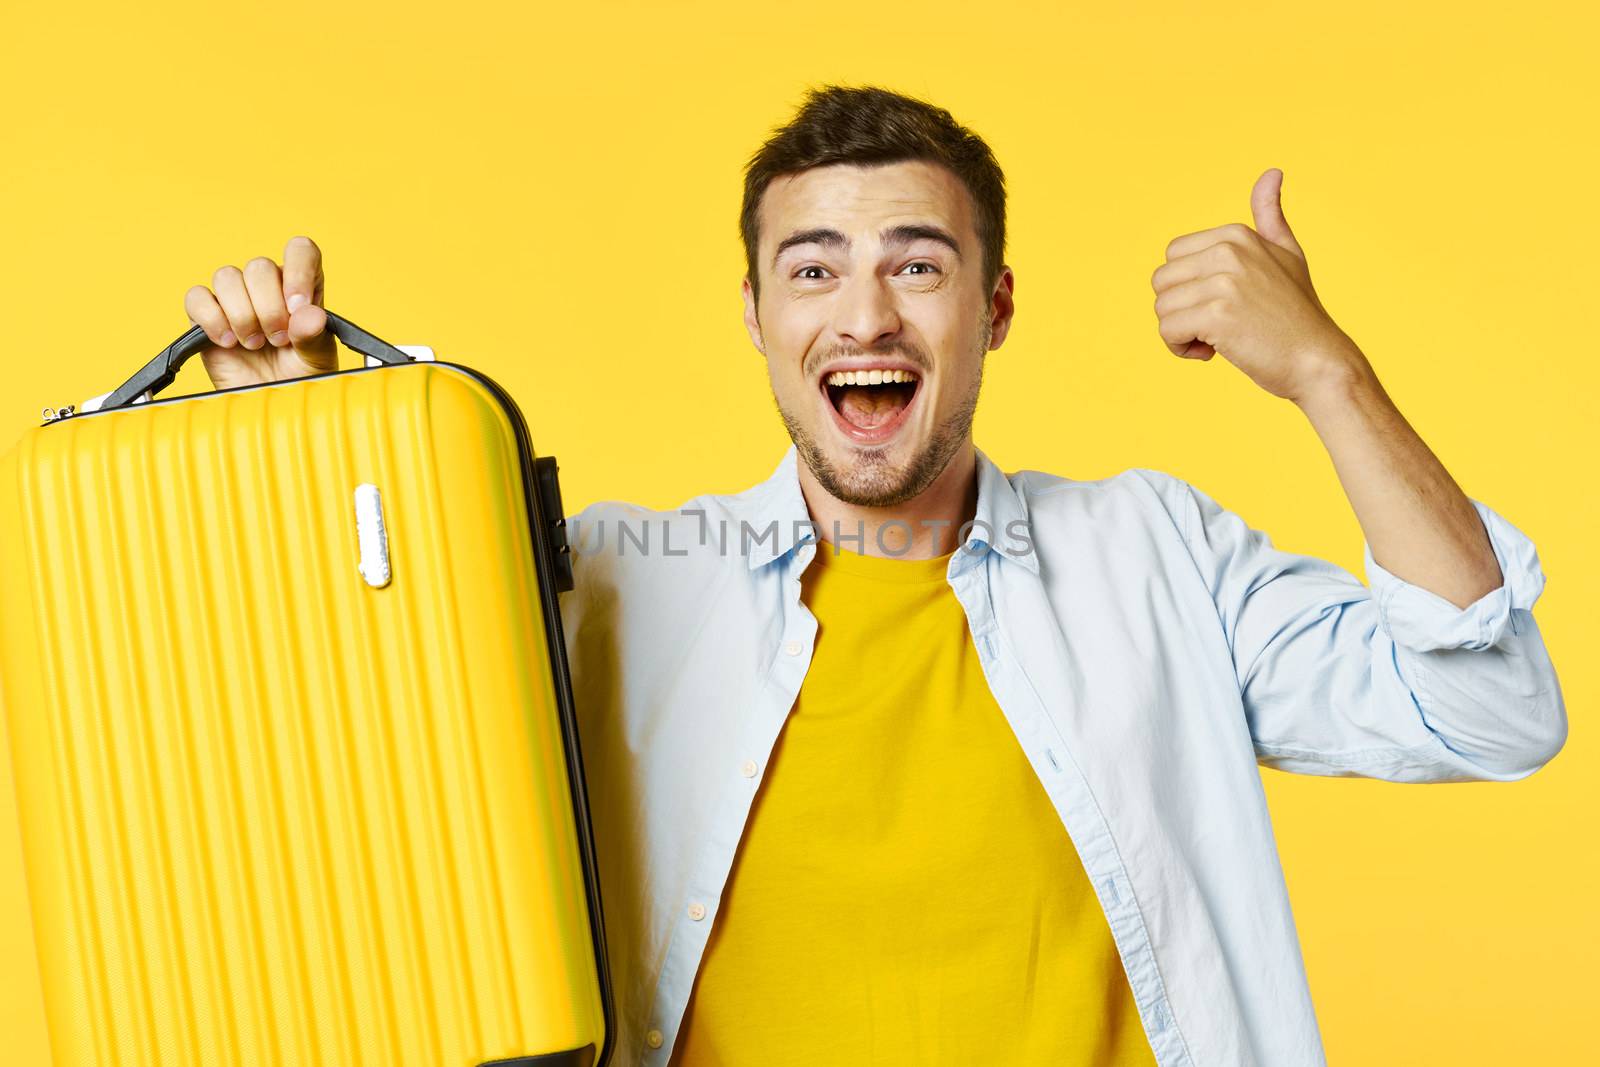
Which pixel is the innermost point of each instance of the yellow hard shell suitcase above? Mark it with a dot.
(291, 735)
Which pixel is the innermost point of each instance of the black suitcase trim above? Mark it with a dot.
(575, 1057)
(546, 553)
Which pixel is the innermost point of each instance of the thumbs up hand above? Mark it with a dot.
(1247, 294)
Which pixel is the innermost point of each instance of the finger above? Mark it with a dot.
(1224, 257)
(307, 325)
(308, 332)
(204, 311)
(264, 282)
(1198, 323)
(228, 283)
(1234, 232)
(1266, 208)
(302, 273)
(1196, 291)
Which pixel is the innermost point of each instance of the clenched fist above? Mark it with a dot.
(1246, 293)
(265, 323)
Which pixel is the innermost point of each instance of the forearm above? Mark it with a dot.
(1418, 523)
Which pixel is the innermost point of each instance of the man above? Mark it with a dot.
(896, 758)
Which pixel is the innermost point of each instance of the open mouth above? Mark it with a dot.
(870, 403)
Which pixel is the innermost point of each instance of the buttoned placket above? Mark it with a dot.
(971, 578)
(691, 929)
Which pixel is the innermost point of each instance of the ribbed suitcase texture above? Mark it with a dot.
(271, 814)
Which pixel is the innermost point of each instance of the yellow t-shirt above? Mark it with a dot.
(904, 892)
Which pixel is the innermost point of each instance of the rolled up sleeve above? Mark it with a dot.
(1391, 681)
(1424, 621)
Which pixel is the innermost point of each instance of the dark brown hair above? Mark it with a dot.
(868, 125)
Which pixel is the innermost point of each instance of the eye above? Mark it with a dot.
(921, 263)
(801, 273)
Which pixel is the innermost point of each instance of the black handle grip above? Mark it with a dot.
(159, 372)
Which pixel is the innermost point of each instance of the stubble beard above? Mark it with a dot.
(872, 481)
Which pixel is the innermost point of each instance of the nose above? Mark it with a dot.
(865, 312)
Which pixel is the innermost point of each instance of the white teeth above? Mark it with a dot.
(870, 377)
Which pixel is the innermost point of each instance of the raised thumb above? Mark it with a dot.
(1266, 207)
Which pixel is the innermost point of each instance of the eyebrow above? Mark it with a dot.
(894, 235)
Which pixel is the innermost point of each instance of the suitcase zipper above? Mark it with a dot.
(555, 564)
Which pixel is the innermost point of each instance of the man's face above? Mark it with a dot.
(875, 318)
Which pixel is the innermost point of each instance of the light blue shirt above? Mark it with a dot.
(1148, 649)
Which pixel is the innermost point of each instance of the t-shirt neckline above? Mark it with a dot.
(884, 568)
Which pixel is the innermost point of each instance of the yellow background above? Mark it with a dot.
(551, 194)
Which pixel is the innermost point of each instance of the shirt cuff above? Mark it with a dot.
(1423, 621)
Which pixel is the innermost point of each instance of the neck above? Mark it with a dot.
(935, 516)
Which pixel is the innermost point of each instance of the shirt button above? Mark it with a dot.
(697, 911)
(653, 1039)
(792, 647)
(748, 768)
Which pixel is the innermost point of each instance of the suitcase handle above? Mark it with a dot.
(159, 372)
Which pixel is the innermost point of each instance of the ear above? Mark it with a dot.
(752, 322)
(1002, 307)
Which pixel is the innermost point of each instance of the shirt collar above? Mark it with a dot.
(1001, 521)
(775, 503)
(778, 521)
